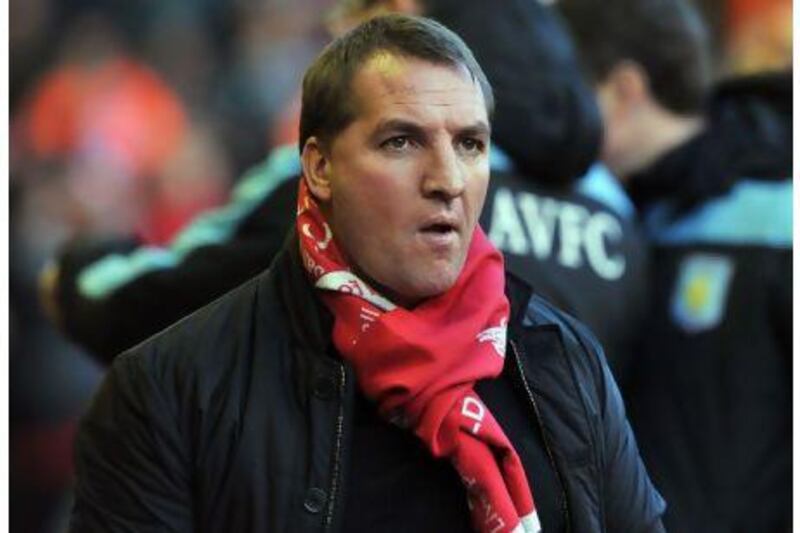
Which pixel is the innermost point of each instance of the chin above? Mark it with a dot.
(432, 284)
(410, 284)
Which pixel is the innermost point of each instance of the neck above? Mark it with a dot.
(659, 133)
(396, 298)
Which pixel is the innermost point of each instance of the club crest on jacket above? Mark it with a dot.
(701, 290)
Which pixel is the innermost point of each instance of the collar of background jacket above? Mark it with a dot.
(748, 135)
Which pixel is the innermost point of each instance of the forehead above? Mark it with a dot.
(389, 84)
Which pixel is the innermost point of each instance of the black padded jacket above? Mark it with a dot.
(239, 418)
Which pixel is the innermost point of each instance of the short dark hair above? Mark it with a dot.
(667, 38)
(328, 105)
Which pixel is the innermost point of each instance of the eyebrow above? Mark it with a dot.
(478, 129)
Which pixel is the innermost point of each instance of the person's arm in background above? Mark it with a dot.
(111, 296)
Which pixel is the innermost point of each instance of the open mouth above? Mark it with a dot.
(441, 228)
(440, 233)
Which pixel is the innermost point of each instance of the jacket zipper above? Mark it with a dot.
(538, 416)
(337, 453)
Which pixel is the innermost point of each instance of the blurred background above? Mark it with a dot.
(130, 117)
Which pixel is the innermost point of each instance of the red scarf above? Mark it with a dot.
(420, 366)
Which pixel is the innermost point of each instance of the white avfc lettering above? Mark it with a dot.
(540, 216)
(572, 219)
(506, 232)
(598, 226)
(526, 224)
(473, 409)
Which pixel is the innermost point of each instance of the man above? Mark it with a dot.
(570, 238)
(360, 383)
(711, 174)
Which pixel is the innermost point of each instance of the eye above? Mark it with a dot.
(472, 145)
(397, 143)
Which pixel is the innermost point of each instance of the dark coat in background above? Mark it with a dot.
(712, 400)
(546, 117)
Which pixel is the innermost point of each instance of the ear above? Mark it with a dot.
(629, 85)
(317, 169)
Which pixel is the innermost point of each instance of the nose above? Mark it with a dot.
(444, 176)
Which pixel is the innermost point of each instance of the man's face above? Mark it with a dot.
(408, 177)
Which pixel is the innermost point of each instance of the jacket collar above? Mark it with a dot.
(310, 321)
(519, 294)
(314, 359)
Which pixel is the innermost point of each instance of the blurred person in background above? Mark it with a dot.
(101, 122)
(710, 171)
(83, 156)
(106, 132)
(104, 141)
(567, 235)
(270, 44)
(759, 35)
(748, 36)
